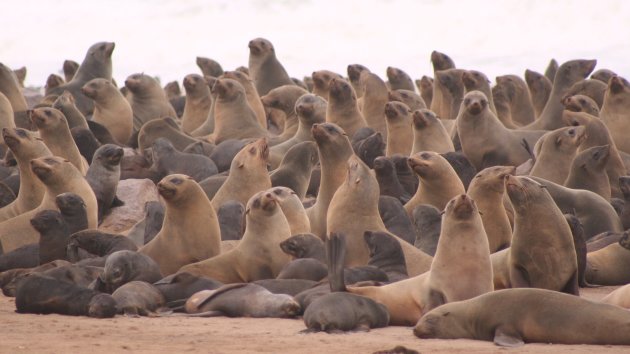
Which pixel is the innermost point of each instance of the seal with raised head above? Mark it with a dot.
(65, 104)
(398, 79)
(512, 317)
(264, 67)
(198, 102)
(375, 96)
(103, 176)
(539, 90)
(248, 175)
(257, 255)
(296, 168)
(24, 146)
(58, 176)
(342, 108)
(167, 161)
(555, 152)
(293, 209)
(147, 99)
(429, 134)
(190, 232)
(399, 135)
(521, 108)
(111, 109)
(321, 82)
(284, 99)
(588, 171)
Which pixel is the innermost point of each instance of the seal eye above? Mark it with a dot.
(425, 155)
(277, 191)
(177, 181)
(21, 133)
(445, 314)
(467, 101)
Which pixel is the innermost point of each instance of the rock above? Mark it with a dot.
(135, 193)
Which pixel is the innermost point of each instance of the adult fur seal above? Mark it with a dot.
(375, 96)
(248, 175)
(42, 294)
(398, 79)
(103, 176)
(334, 150)
(539, 89)
(96, 64)
(438, 181)
(257, 255)
(429, 133)
(488, 189)
(25, 146)
(399, 135)
(293, 209)
(111, 109)
(53, 235)
(606, 266)
(166, 128)
(198, 102)
(284, 99)
(521, 108)
(253, 98)
(10, 88)
(410, 98)
(542, 254)
(462, 253)
(242, 300)
(555, 152)
(512, 317)
(59, 176)
(190, 232)
(342, 107)
(264, 67)
(615, 111)
(588, 171)
(321, 82)
(147, 99)
(296, 168)
(66, 104)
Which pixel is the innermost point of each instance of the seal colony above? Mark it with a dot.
(351, 204)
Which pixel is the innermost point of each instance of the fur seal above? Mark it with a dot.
(304, 246)
(10, 88)
(425, 86)
(440, 62)
(233, 117)
(296, 168)
(398, 120)
(429, 133)
(520, 106)
(542, 254)
(305, 268)
(551, 70)
(86, 142)
(487, 189)
(606, 266)
(42, 294)
(209, 67)
(615, 111)
(242, 300)
(398, 79)
(166, 128)
(310, 109)
(97, 243)
(539, 90)
(427, 223)
(354, 74)
(619, 297)
(339, 312)
(52, 81)
(595, 213)
(512, 317)
(138, 298)
(23, 257)
(96, 64)
(410, 98)
(264, 67)
(452, 90)
(183, 285)
(354, 210)
(293, 210)
(124, 266)
(474, 80)
(603, 75)
(368, 145)
(568, 74)
(53, 235)
(407, 300)
(73, 210)
(190, 232)
(65, 104)
(103, 176)
(198, 102)
(386, 255)
(375, 96)
(284, 99)
(388, 182)
(334, 150)
(395, 218)
(588, 171)
(167, 160)
(69, 68)
(248, 175)
(111, 109)
(231, 217)
(342, 107)
(253, 98)
(555, 152)
(257, 255)
(321, 82)
(58, 176)
(594, 89)
(147, 100)
(438, 181)
(24, 146)
(581, 103)
(499, 146)
(54, 131)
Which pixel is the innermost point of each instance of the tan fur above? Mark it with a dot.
(111, 109)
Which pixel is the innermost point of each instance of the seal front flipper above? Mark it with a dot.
(436, 298)
(505, 338)
(335, 257)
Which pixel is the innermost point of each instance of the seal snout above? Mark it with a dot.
(165, 190)
(390, 110)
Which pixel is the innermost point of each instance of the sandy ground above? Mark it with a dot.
(66, 334)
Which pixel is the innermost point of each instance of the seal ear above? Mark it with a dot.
(505, 339)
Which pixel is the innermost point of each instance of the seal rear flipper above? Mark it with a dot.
(505, 338)
(335, 257)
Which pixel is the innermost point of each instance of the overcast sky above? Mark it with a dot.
(163, 37)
